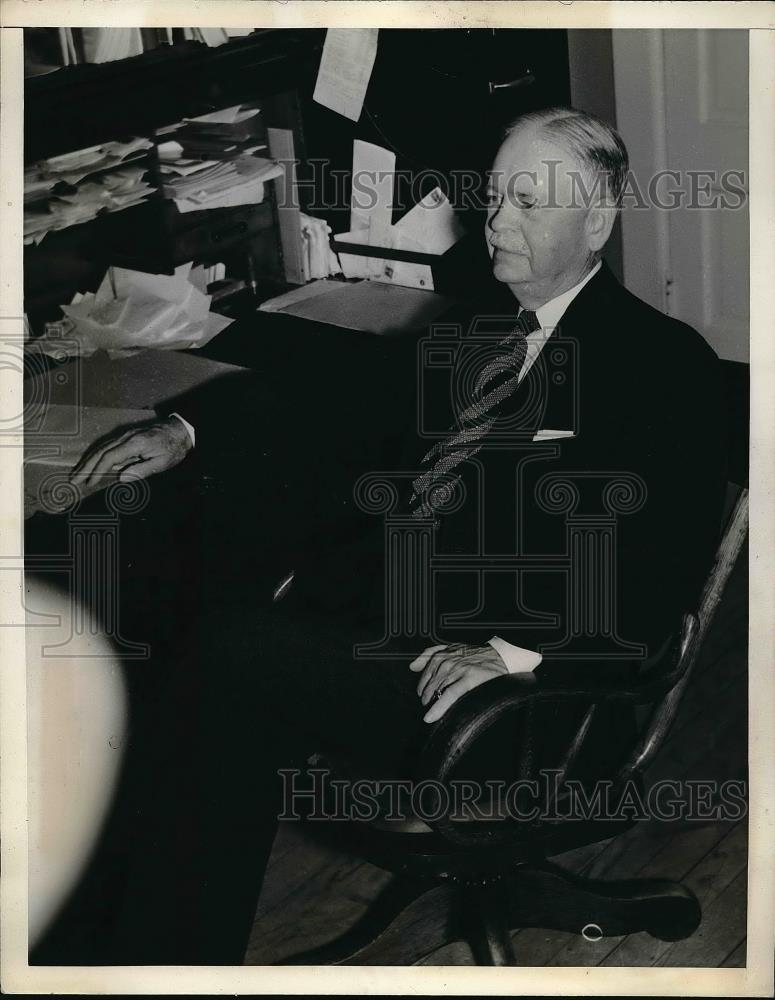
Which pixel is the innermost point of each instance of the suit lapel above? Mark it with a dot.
(558, 367)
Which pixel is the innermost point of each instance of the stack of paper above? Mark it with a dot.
(210, 161)
(70, 168)
(223, 134)
(75, 187)
(37, 185)
(194, 186)
(133, 310)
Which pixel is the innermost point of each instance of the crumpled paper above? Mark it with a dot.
(318, 259)
(132, 311)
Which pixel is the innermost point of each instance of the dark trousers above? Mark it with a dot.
(253, 687)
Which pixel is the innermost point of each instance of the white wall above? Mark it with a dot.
(682, 104)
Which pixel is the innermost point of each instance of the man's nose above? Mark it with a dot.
(505, 218)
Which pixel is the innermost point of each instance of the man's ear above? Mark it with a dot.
(600, 221)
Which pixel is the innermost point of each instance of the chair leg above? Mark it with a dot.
(406, 922)
(488, 915)
(550, 897)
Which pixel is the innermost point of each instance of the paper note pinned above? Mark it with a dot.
(345, 69)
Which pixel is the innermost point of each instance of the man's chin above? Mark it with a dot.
(510, 269)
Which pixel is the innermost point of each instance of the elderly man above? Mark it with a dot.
(565, 397)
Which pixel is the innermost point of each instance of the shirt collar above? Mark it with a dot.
(551, 312)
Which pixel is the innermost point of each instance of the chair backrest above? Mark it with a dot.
(695, 628)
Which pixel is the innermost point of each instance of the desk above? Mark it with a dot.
(199, 533)
(143, 381)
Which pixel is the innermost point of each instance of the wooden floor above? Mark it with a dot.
(312, 893)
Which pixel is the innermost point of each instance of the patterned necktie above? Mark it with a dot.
(497, 381)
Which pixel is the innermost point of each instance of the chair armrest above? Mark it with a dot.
(479, 709)
(473, 714)
(476, 711)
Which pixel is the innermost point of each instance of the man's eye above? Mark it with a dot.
(493, 199)
(526, 203)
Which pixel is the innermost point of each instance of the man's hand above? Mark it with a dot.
(450, 670)
(134, 454)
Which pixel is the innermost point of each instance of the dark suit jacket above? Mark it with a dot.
(643, 474)
(644, 470)
(641, 481)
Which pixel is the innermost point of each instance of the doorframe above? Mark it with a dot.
(642, 122)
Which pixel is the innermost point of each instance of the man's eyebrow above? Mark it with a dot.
(521, 185)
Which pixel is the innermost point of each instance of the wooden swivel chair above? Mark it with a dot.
(479, 880)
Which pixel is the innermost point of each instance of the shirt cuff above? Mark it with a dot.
(187, 425)
(517, 659)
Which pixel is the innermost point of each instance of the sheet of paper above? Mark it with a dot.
(258, 168)
(166, 129)
(251, 192)
(281, 302)
(345, 70)
(432, 223)
(170, 150)
(353, 265)
(138, 283)
(371, 202)
(226, 116)
(198, 276)
(183, 167)
(371, 207)
(214, 323)
(385, 269)
(78, 158)
(373, 307)
(401, 272)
